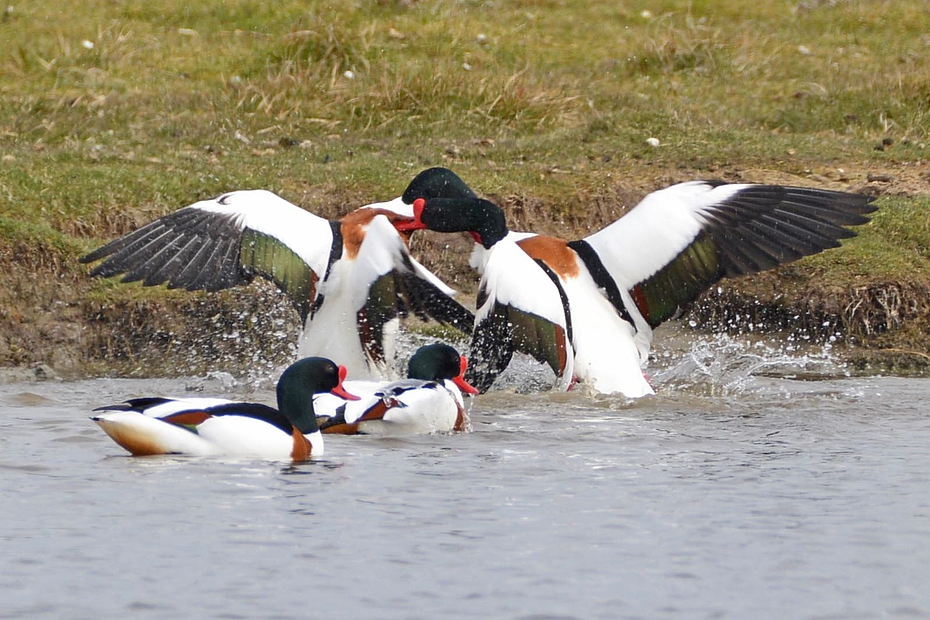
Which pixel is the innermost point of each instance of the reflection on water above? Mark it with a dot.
(758, 484)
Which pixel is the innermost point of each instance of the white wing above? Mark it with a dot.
(225, 242)
(680, 240)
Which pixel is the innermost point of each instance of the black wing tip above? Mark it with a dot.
(101, 252)
(865, 203)
(100, 271)
(91, 257)
(851, 199)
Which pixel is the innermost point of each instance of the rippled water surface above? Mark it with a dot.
(750, 488)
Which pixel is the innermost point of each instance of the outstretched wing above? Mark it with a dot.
(680, 240)
(521, 307)
(221, 243)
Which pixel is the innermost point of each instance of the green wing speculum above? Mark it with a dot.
(266, 256)
(680, 282)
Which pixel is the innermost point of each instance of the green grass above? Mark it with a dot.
(162, 77)
(113, 113)
(121, 105)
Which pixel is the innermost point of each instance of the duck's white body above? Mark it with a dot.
(211, 426)
(594, 344)
(228, 435)
(601, 340)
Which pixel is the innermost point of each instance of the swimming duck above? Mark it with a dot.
(213, 426)
(588, 307)
(428, 401)
(350, 279)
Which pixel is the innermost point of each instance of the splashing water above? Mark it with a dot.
(682, 361)
(723, 364)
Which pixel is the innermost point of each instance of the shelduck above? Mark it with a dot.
(428, 401)
(588, 307)
(216, 426)
(350, 280)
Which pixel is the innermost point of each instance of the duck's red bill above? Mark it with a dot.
(341, 391)
(409, 225)
(460, 381)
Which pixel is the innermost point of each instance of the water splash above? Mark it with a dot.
(724, 364)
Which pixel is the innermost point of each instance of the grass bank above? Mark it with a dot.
(112, 114)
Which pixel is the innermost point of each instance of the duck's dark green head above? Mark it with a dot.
(436, 183)
(482, 218)
(438, 362)
(300, 381)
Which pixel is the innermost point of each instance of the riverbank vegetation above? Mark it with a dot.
(565, 112)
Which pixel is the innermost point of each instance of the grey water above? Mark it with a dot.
(761, 482)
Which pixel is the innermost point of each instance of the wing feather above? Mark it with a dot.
(521, 308)
(218, 244)
(680, 240)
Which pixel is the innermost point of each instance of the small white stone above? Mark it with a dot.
(653, 142)
(349, 75)
(88, 45)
